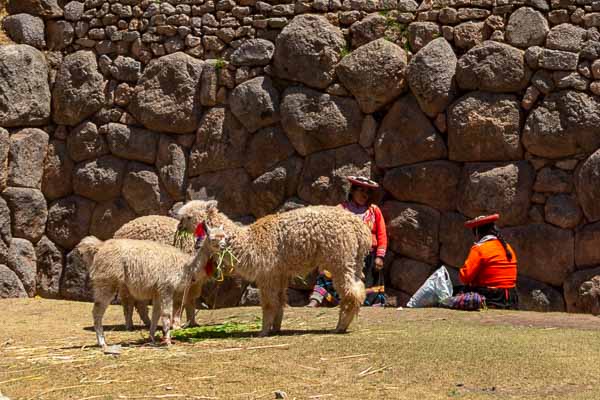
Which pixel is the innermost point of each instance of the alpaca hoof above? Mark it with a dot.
(263, 334)
(339, 330)
(193, 324)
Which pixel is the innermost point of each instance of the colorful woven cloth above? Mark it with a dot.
(469, 301)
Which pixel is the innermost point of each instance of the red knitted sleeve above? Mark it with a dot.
(380, 232)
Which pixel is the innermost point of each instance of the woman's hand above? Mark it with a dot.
(378, 263)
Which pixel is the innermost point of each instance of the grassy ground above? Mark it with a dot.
(47, 352)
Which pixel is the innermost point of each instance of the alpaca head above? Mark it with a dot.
(195, 212)
(87, 248)
(208, 244)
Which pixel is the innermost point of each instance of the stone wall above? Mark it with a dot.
(120, 108)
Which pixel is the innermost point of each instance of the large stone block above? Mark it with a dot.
(24, 87)
(270, 189)
(531, 243)
(421, 33)
(108, 217)
(44, 8)
(5, 223)
(171, 163)
(587, 183)
(296, 55)
(78, 92)
(266, 148)
(485, 127)
(413, 230)
(10, 284)
(431, 76)
(23, 262)
(455, 239)
(25, 29)
(407, 136)
(253, 52)
(132, 143)
(526, 27)
(60, 34)
(255, 103)
(563, 211)
(488, 188)
(69, 220)
(566, 37)
(587, 246)
(4, 148)
(229, 187)
(99, 180)
(58, 171)
(75, 282)
(27, 153)
(144, 191)
(408, 275)
(50, 262)
(553, 180)
(220, 143)
(563, 124)
(493, 67)
(374, 74)
(370, 28)
(577, 291)
(317, 121)
(28, 212)
(324, 175)
(167, 97)
(85, 143)
(432, 183)
(537, 296)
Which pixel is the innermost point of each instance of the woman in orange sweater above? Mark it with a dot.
(359, 203)
(491, 267)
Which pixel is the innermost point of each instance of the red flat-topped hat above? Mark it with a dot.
(362, 181)
(482, 220)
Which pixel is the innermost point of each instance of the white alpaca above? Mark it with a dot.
(278, 247)
(148, 270)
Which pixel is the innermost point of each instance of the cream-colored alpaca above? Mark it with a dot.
(278, 247)
(159, 229)
(148, 270)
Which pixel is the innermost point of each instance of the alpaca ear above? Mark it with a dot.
(211, 208)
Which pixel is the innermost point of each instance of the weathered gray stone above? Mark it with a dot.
(563, 211)
(5, 223)
(28, 212)
(43, 8)
(455, 239)
(259, 161)
(562, 124)
(126, 69)
(413, 230)
(587, 184)
(370, 28)
(543, 81)
(50, 262)
(26, 158)
(85, 143)
(570, 80)
(69, 220)
(324, 175)
(590, 50)
(60, 34)
(526, 27)
(4, 148)
(470, 34)
(421, 33)
(406, 136)
(79, 89)
(432, 183)
(74, 10)
(296, 57)
(99, 180)
(24, 87)
(255, 103)
(374, 74)
(488, 188)
(171, 162)
(167, 97)
(535, 261)
(132, 143)
(108, 217)
(557, 60)
(431, 76)
(316, 121)
(485, 127)
(22, 260)
(553, 180)
(408, 275)
(253, 52)
(494, 67)
(577, 291)
(58, 171)
(144, 191)
(25, 29)
(10, 284)
(271, 188)
(537, 296)
(567, 37)
(220, 143)
(229, 187)
(75, 281)
(587, 246)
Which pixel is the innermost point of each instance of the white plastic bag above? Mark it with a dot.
(436, 288)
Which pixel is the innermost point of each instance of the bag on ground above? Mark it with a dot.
(436, 288)
(469, 301)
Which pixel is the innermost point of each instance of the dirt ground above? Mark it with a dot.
(47, 351)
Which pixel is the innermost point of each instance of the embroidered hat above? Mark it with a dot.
(362, 181)
(482, 220)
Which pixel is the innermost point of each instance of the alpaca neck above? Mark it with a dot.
(241, 249)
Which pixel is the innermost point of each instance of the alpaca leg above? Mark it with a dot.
(352, 294)
(142, 309)
(166, 306)
(127, 302)
(102, 298)
(177, 313)
(269, 304)
(282, 301)
(190, 312)
(155, 317)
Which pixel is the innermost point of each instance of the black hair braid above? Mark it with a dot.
(492, 229)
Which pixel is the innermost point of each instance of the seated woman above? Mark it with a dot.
(491, 267)
(360, 203)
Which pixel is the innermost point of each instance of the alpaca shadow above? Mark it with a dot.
(117, 328)
(251, 334)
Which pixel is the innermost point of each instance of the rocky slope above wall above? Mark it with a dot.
(120, 108)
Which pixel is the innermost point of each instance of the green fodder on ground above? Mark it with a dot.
(47, 351)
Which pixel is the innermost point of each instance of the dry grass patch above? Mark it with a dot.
(47, 352)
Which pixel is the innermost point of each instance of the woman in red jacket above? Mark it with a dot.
(491, 267)
(359, 203)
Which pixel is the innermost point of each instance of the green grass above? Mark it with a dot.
(218, 331)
